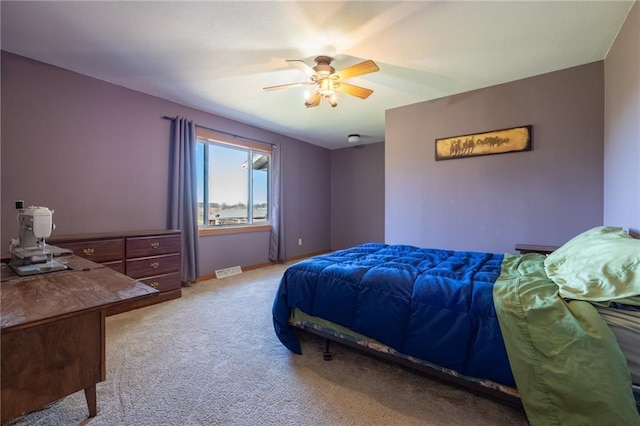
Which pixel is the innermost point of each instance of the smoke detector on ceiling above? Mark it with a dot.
(353, 138)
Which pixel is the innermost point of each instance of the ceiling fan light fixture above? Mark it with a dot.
(325, 82)
(326, 87)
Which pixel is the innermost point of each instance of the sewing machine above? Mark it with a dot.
(29, 252)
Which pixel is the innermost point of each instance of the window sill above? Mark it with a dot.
(225, 230)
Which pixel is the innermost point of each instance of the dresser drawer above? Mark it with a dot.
(152, 246)
(152, 266)
(99, 251)
(164, 282)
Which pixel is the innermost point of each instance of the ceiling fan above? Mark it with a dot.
(325, 81)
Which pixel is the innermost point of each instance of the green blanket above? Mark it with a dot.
(566, 362)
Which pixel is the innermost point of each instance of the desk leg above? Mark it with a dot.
(90, 396)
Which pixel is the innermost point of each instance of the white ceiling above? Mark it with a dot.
(217, 56)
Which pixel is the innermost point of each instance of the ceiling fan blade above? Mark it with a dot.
(365, 67)
(286, 86)
(317, 97)
(302, 65)
(352, 90)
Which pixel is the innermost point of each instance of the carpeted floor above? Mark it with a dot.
(212, 358)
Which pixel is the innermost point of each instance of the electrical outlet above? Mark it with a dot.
(299, 241)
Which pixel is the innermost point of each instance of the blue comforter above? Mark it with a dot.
(436, 305)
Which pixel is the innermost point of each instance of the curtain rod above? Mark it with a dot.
(166, 117)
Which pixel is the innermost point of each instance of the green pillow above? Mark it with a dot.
(598, 265)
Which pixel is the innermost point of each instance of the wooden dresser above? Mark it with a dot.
(152, 257)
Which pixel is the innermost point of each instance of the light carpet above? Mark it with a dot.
(212, 358)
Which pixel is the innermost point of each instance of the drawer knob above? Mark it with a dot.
(88, 251)
(154, 284)
(155, 244)
(155, 265)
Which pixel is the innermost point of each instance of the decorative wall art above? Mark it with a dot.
(502, 141)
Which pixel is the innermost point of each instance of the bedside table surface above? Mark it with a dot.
(534, 248)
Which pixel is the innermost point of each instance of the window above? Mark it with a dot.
(232, 180)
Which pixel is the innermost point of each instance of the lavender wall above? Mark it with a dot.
(490, 203)
(357, 195)
(622, 127)
(306, 198)
(98, 154)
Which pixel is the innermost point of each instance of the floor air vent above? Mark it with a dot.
(227, 272)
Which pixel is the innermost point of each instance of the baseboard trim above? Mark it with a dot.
(212, 276)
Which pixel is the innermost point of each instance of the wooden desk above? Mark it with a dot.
(53, 333)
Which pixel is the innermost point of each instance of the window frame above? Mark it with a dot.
(206, 137)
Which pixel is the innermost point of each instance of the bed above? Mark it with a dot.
(556, 333)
